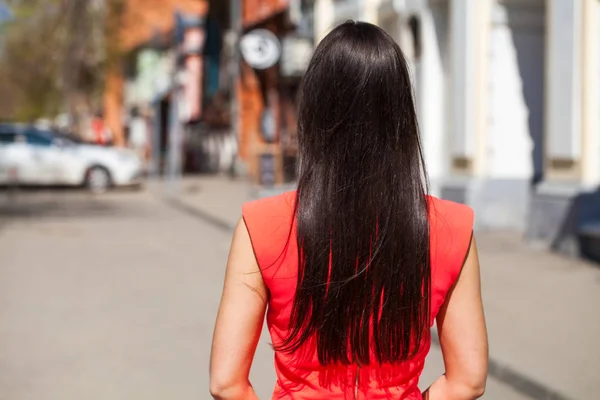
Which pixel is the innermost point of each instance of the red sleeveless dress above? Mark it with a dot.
(300, 376)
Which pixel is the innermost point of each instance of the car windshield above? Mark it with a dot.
(49, 135)
(10, 128)
(45, 135)
(8, 133)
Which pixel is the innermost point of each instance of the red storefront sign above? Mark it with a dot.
(256, 11)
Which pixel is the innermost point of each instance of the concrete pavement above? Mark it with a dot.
(114, 297)
(111, 297)
(541, 308)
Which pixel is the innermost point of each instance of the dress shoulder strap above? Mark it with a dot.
(270, 224)
(451, 231)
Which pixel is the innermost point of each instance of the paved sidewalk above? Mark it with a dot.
(541, 308)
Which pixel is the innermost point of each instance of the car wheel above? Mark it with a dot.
(97, 180)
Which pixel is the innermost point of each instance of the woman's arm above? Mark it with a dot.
(239, 322)
(463, 337)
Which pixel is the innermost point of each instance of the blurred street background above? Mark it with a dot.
(131, 132)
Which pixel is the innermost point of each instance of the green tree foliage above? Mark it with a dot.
(54, 56)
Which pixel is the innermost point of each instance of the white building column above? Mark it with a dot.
(516, 85)
(590, 157)
(496, 107)
(564, 84)
(463, 102)
(432, 91)
(569, 197)
(466, 105)
(370, 11)
(514, 116)
(324, 18)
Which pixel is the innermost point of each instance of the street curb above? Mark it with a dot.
(216, 222)
(496, 369)
(219, 223)
(515, 379)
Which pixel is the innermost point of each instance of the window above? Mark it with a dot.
(415, 28)
(6, 138)
(37, 139)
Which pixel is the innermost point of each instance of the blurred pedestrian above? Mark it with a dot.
(102, 134)
(356, 265)
(138, 133)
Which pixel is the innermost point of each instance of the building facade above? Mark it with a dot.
(209, 107)
(508, 95)
(174, 76)
(266, 94)
(142, 21)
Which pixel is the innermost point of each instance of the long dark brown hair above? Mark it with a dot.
(361, 207)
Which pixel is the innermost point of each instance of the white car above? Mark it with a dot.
(30, 156)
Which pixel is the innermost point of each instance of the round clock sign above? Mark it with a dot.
(260, 48)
